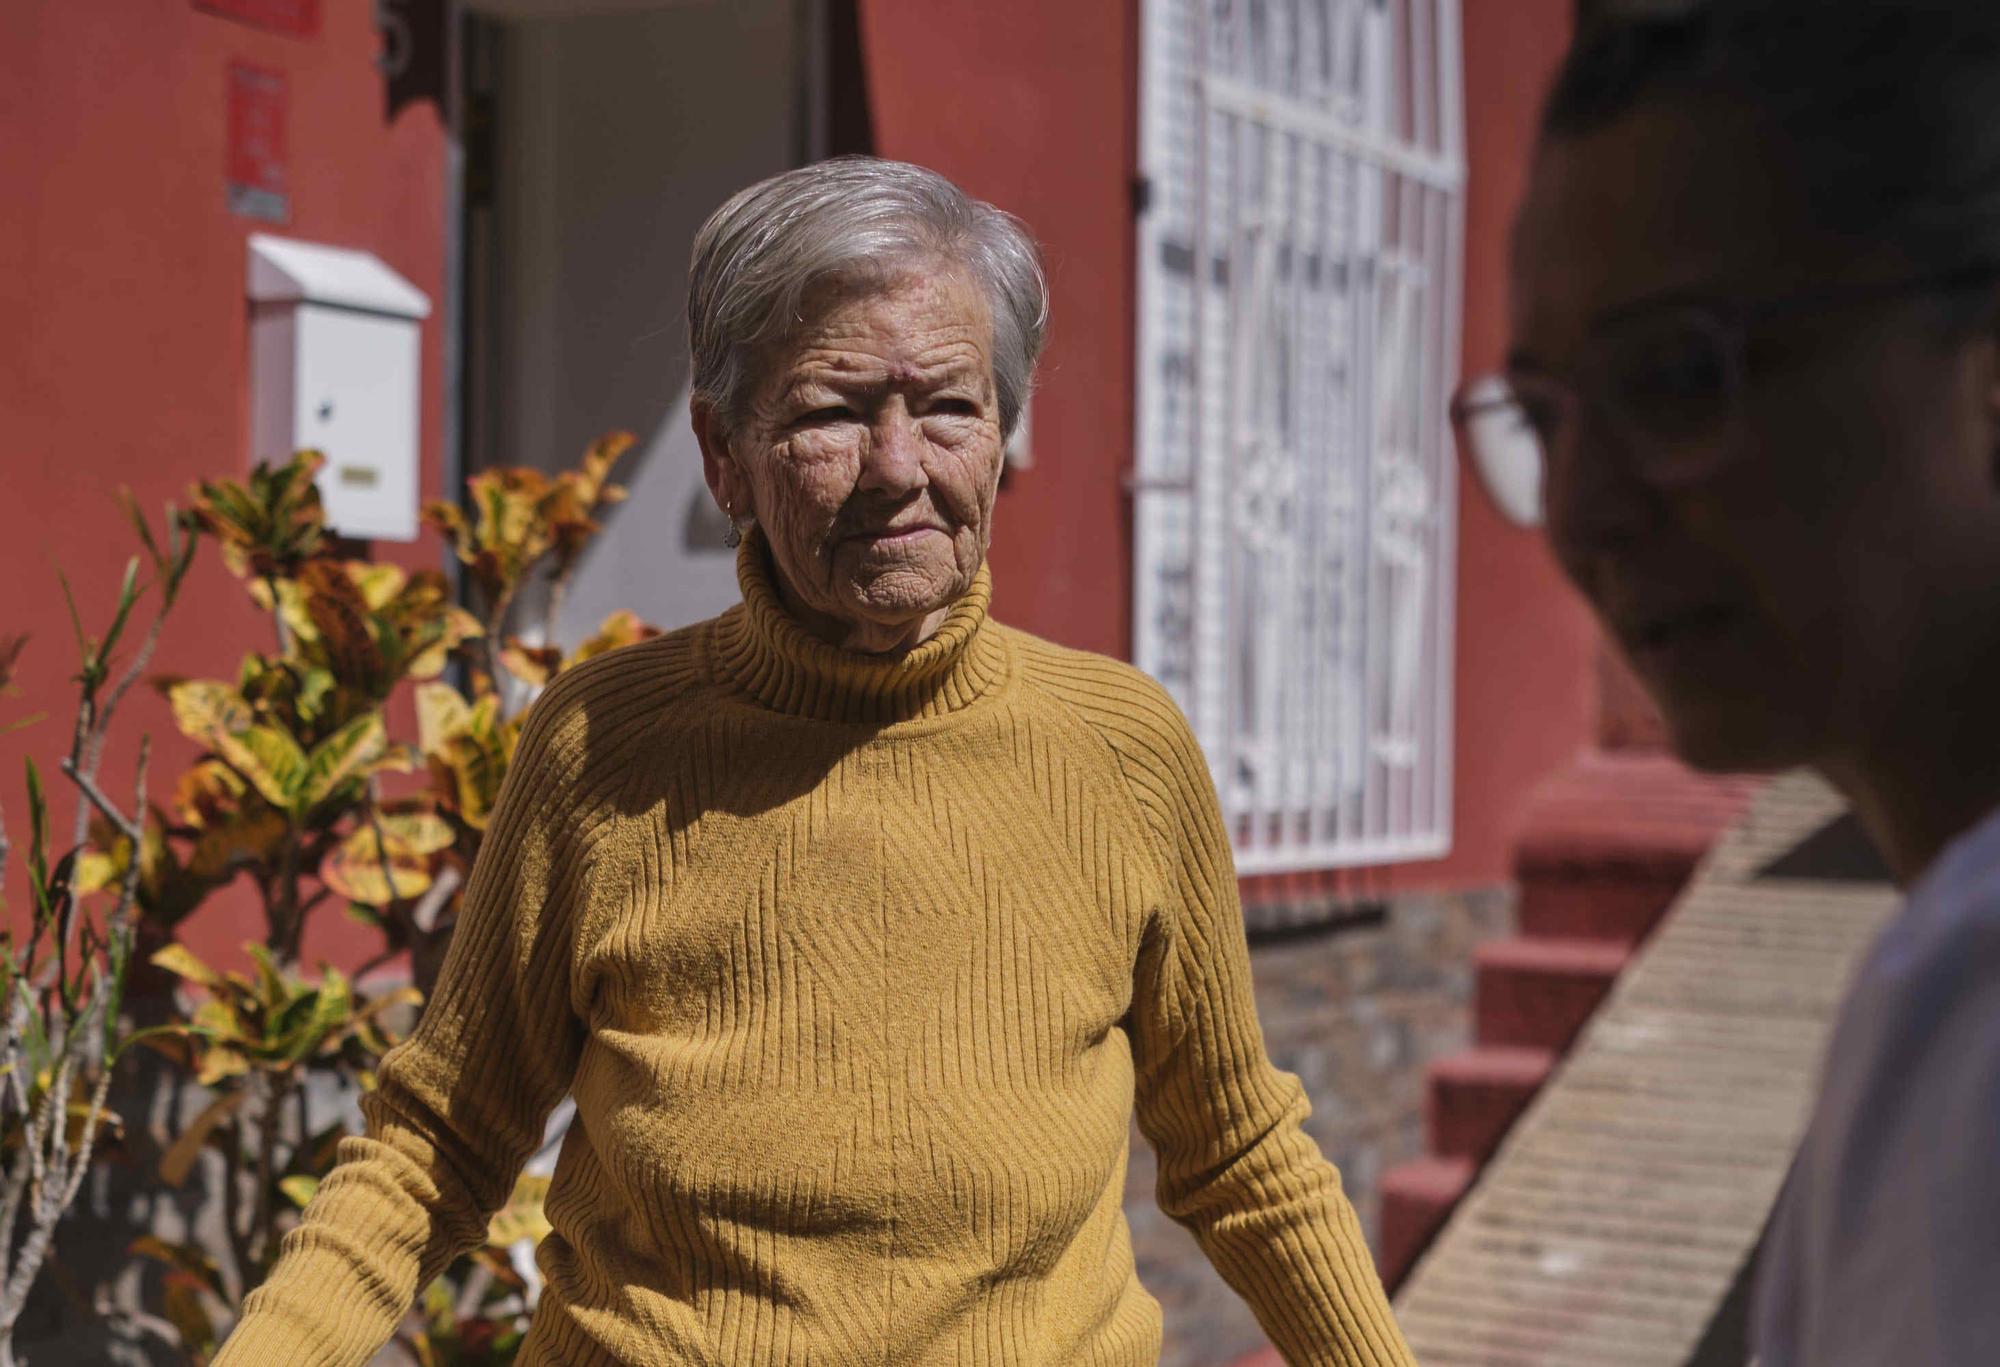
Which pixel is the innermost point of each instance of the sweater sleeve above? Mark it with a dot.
(1235, 1165)
(461, 1103)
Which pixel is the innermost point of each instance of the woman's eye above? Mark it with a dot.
(957, 408)
(819, 417)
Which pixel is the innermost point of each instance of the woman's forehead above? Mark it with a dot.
(902, 331)
(1673, 196)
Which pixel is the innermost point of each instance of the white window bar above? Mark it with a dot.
(1296, 501)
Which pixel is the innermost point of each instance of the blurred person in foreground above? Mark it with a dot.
(1756, 330)
(857, 924)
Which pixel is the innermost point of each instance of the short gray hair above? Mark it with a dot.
(853, 219)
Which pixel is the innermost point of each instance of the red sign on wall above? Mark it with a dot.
(259, 184)
(300, 18)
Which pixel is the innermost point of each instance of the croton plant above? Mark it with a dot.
(304, 790)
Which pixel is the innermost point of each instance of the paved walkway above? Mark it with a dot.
(1613, 1219)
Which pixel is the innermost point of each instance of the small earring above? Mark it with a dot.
(734, 536)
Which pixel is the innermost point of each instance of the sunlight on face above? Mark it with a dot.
(872, 452)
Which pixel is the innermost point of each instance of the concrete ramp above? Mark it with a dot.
(1617, 1213)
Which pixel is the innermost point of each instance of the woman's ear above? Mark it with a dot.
(718, 463)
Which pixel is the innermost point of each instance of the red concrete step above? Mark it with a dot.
(1568, 898)
(1417, 1197)
(1537, 991)
(1610, 842)
(1475, 1096)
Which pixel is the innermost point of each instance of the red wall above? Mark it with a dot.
(1033, 106)
(1527, 648)
(123, 349)
(1043, 122)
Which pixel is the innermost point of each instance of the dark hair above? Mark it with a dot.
(1891, 108)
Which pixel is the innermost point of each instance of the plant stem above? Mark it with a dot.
(286, 931)
(271, 1104)
(278, 616)
(232, 1212)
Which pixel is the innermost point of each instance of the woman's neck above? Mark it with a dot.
(1916, 797)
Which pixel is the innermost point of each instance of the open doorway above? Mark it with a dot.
(596, 144)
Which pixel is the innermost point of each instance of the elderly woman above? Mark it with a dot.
(856, 923)
(1757, 325)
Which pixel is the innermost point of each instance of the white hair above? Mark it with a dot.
(853, 219)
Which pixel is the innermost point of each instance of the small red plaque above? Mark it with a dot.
(258, 182)
(300, 18)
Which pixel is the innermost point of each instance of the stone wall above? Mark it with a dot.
(1356, 1009)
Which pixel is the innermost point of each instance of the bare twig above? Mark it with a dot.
(88, 785)
(99, 1095)
(18, 1173)
(94, 753)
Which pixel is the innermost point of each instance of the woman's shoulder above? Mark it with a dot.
(1131, 709)
(603, 704)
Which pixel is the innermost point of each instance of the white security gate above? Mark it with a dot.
(1298, 341)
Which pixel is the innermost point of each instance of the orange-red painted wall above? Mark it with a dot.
(1527, 649)
(123, 323)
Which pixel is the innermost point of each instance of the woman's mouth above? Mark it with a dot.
(891, 537)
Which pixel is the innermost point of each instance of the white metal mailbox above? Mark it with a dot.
(334, 358)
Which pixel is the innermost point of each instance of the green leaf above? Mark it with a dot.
(176, 1029)
(118, 960)
(38, 843)
(332, 1005)
(138, 521)
(300, 1187)
(364, 916)
(128, 594)
(83, 646)
(273, 762)
(181, 961)
(272, 988)
(344, 755)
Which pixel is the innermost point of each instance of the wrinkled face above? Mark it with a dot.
(1818, 589)
(871, 453)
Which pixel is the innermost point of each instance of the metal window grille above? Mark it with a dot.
(1300, 256)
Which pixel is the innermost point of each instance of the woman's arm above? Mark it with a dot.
(462, 1102)
(1235, 1165)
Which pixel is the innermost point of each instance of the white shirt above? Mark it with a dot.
(1884, 1249)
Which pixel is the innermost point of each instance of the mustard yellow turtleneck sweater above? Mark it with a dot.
(856, 969)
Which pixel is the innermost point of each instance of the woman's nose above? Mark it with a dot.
(893, 464)
(1592, 499)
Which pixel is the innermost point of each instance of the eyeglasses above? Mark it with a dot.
(1667, 378)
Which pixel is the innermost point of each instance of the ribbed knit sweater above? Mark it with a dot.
(857, 969)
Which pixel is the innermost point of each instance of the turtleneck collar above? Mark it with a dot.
(788, 669)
